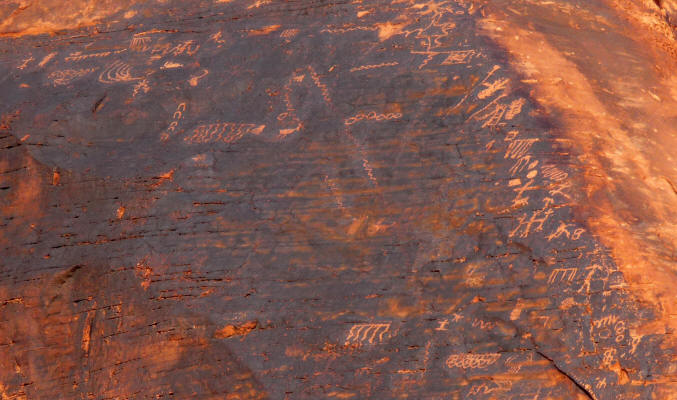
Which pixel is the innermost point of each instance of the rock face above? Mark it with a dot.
(354, 200)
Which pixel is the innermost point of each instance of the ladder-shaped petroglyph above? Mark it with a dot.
(367, 333)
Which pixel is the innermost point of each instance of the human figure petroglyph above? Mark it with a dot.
(565, 230)
(534, 223)
(521, 200)
(367, 333)
(586, 282)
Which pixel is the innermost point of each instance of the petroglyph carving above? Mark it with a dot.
(323, 88)
(606, 321)
(25, 62)
(498, 385)
(178, 115)
(367, 333)
(195, 79)
(470, 361)
(553, 173)
(288, 34)
(226, 132)
(141, 86)
(484, 325)
(349, 29)
(372, 116)
(189, 47)
(140, 43)
(78, 56)
(66, 76)
(442, 325)
(531, 224)
(514, 108)
(118, 71)
(562, 274)
(520, 199)
(459, 57)
(493, 87)
(586, 283)
(519, 148)
(373, 66)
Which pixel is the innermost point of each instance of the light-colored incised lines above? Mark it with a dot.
(373, 66)
(367, 333)
(78, 56)
(323, 88)
(372, 116)
(225, 132)
(66, 76)
(140, 43)
(459, 57)
(118, 71)
(349, 29)
(471, 361)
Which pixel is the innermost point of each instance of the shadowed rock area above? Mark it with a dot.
(320, 199)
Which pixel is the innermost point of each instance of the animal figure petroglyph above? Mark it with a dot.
(367, 333)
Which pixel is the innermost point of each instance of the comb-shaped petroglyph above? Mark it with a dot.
(367, 333)
(140, 43)
(562, 275)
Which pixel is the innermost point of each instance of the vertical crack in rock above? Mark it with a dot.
(569, 377)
